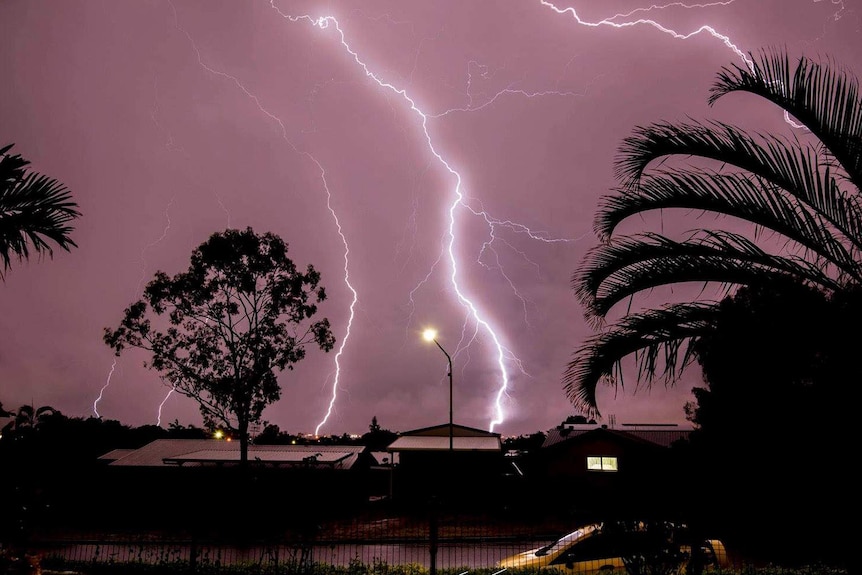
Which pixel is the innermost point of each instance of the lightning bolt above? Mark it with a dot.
(162, 404)
(354, 294)
(518, 228)
(672, 5)
(647, 22)
(152, 245)
(472, 310)
(104, 387)
(503, 354)
(134, 294)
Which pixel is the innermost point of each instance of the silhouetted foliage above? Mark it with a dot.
(178, 431)
(377, 438)
(774, 434)
(51, 470)
(35, 210)
(530, 442)
(804, 191)
(239, 314)
(651, 547)
(272, 435)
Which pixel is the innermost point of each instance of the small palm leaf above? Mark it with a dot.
(35, 211)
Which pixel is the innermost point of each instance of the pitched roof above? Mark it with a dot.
(443, 431)
(198, 452)
(441, 443)
(436, 438)
(115, 454)
(664, 435)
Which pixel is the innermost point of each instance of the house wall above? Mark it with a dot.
(644, 478)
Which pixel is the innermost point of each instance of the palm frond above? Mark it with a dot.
(35, 210)
(626, 266)
(820, 95)
(797, 170)
(732, 195)
(654, 335)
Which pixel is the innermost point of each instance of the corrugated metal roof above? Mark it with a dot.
(265, 455)
(438, 443)
(199, 451)
(115, 454)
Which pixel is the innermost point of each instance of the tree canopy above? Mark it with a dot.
(778, 365)
(240, 313)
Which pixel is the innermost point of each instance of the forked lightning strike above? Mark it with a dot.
(324, 22)
(322, 173)
(503, 354)
(647, 22)
(459, 201)
(135, 294)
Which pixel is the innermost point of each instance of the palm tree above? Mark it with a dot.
(804, 189)
(29, 418)
(34, 210)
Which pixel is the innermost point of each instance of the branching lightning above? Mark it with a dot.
(476, 319)
(136, 292)
(473, 311)
(355, 295)
(647, 22)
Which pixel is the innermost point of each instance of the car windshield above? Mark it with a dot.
(561, 543)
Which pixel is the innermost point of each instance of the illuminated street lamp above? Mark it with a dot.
(431, 335)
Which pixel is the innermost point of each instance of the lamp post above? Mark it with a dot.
(431, 335)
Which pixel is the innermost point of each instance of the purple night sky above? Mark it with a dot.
(170, 121)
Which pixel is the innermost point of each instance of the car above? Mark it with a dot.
(607, 547)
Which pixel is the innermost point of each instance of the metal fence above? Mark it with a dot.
(385, 542)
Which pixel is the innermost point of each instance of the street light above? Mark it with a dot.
(431, 335)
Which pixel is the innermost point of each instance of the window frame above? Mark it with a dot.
(606, 463)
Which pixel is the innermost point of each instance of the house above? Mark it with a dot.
(220, 453)
(198, 480)
(596, 466)
(443, 460)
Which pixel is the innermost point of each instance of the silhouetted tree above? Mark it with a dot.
(28, 418)
(774, 424)
(176, 430)
(239, 314)
(377, 438)
(804, 189)
(34, 211)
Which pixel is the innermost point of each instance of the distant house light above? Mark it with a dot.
(600, 463)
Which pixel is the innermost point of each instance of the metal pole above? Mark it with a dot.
(451, 442)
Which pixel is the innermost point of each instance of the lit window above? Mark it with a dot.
(602, 464)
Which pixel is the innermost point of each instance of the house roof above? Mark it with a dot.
(201, 452)
(663, 436)
(115, 454)
(436, 438)
(384, 458)
(443, 431)
(441, 443)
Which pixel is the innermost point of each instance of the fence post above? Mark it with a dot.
(433, 535)
(193, 554)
